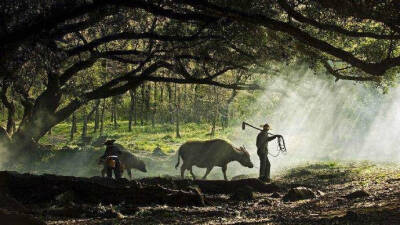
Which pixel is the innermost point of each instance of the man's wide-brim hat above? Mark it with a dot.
(265, 125)
(109, 142)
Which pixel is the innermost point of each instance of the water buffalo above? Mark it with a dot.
(207, 154)
(128, 162)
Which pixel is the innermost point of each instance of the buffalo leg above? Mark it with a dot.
(224, 172)
(129, 173)
(191, 172)
(109, 172)
(183, 168)
(207, 172)
(103, 172)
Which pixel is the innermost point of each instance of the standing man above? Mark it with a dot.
(262, 151)
(112, 153)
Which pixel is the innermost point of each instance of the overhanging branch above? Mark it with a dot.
(339, 76)
(299, 17)
(376, 69)
(205, 81)
(133, 35)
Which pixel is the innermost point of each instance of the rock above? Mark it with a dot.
(86, 140)
(357, 194)
(104, 211)
(4, 137)
(229, 187)
(68, 211)
(244, 176)
(67, 197)
(167, 137)
(44, 147)
(158, 152)
(299, 193)
(66, 148)
(351, 215)
(243, 193)
(81, 144)
(320, 193)
(112, 213)
(117, 214)
(129, 209)
(265, 202)
(11, 204)
(340, 200)
(14, 218)
(99, 142)
(275, 195)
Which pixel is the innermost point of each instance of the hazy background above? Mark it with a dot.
(325, 120)
(320, 119)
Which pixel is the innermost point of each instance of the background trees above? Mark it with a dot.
(58, 57)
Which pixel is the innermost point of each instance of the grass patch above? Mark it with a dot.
(144, 138)
(323, 174)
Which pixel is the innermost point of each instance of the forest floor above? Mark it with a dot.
(377, 186)
(375, 200)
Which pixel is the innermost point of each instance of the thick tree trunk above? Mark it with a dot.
(96, 118)
(160, 110)
(44, 115)
(135, 108)
(215, 112)
(142, 89)
(4, 137)
(103, 109)
(84, 124)
(153, 111)
(10, 120)
(73, 127)
(196, 105)
(93, 110)
(177, 112)
(9, 104)
(115, 119)
(170, 109)
(131, 109)
(212, 133)
(114, 111)
(46, 112)
(184, 104)
(148, 91)
(225, 114)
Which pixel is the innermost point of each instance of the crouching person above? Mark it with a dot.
(111, 157)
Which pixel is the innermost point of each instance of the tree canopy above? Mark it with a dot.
(53, 52)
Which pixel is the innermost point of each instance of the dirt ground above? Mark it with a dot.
(332, 182)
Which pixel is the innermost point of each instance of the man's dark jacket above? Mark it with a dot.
(111, 150)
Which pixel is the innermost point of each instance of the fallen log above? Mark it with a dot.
(14, 218)
(35, 189)
(215, 186)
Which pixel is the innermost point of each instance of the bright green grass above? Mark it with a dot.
(322, 174)
(145, 137)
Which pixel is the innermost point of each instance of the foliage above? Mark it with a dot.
(56, 56)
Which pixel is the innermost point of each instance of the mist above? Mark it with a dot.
(323, 120)
(320, 120)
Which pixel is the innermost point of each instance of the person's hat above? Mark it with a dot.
(109, 142)
(265, 125)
